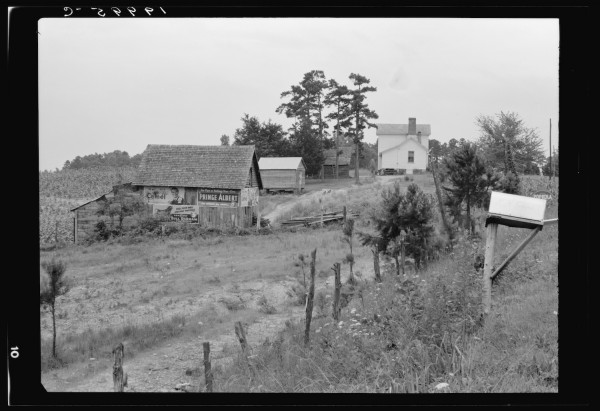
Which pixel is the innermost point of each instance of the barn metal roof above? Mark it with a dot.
(196, 166)
(280, 163)
(385, 129)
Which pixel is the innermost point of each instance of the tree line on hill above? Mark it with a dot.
(116, 158)
(505, 143)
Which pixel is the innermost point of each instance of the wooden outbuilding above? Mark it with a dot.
(282, 173)
(344, 157)
(86, 215)
(215, 186)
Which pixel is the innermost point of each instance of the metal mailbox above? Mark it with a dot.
(516, 211)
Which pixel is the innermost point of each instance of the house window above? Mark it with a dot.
(411, 156)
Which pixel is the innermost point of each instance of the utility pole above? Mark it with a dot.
(550, 176)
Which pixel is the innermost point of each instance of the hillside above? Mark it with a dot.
(163, 297)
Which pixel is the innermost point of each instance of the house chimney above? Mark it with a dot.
(412, 126)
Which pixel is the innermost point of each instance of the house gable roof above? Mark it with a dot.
(280, 163)
(196, 166)
(402, 129)
(403, 143)
(343, 159)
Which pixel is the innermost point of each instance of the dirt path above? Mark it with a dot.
(284, 208)
(163, 368)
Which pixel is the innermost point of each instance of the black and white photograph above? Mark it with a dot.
(297, 204)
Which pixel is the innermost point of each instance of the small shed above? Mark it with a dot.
(282, 173)
(344, 157)
(86, 214)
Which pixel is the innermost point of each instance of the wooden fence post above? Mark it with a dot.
(402, 250)
(241, 335)
(375, 252)
(119, 380)
(309, 297)
(208, 380)
(490, 242)
(257, 217)
(337, 292)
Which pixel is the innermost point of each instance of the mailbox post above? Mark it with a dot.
(512, 211)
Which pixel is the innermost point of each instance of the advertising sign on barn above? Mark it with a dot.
(180, 213)
(165, 195)
(249, 197)
(218, 197)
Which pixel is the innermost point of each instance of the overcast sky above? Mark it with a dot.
(121, 84)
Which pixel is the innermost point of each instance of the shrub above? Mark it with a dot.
(171, 229)
(149, 224)
(321, 303)
(233, 304)
(404, 221)
(265, 307)
(297, 292)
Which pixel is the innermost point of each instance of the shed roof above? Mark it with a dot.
(196, 166)
(385, 129)
(92, 200)
(343, 158)
(280, 163)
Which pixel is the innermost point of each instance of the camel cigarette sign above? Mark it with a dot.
(178, 213)
(165, 195)
(218, 197)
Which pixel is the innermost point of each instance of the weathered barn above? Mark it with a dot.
(282, 173)
(215, 186)
(343, 162)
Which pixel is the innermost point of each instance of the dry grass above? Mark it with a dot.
(412, 333)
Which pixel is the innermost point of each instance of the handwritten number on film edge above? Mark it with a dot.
(116, 10)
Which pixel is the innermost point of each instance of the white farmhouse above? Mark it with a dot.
(403, 146)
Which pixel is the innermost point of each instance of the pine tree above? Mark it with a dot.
(338, 98)
(403, 223)
(468, 175)
(56, 286)
(361, 113)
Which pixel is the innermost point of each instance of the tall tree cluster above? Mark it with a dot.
(316, 104)
(347, 106)
(508, 145)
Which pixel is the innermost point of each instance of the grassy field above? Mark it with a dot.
(413, 333)
(171, 292)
